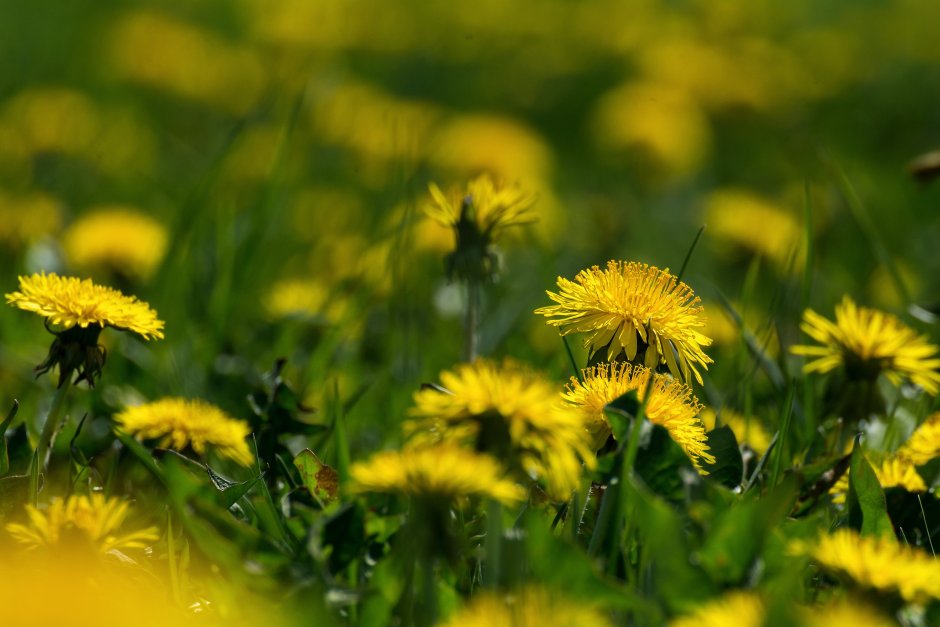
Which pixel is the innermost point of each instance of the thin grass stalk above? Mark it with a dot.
(472, 321)
(45, 438)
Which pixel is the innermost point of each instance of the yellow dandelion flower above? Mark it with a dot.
(67, 302)
(671, 404)
(741, 609)
(494, 205)
(511, 412)
(26, 218)
(845, 613)
(117, 239)
(96, 518)
(868, 342)
(180, 422)
(893, 472)
(746, 430)
(636, 310)
(881, 564)
(924, 443)
(443, 471)
(529, 607)
(754, 223)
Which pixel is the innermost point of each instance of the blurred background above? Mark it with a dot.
(256, 170)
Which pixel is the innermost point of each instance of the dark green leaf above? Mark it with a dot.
(620, 413)
(321, 480)
(866, 501)
(728, 468)
(4, 456)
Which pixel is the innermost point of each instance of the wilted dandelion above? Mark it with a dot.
(880, 563)
(741, 609)
(671, 404)
(893, 472)
(179, 422)
(510, 412)
(95, 518)
(924, 443)
(76, 311)
(529, 607)
(867, 342)
(635, 312)
(439, 472)
(121, 241)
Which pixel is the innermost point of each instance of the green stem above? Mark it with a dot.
(493, 545)
(472, 321)
(48, 431)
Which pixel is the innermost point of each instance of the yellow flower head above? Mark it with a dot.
(26, 218)
(671, 404)
(118, 240)
(511, 412)
(180, 422)
(893, 472)
(529, 607)
(868, 342)
(924, 444)
(491, 206)
(67, 302)
(741, 609)
(443, 471)
(634, 309)
(95, 518)
(748, 431)
(881, 564)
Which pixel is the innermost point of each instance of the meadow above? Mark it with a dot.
(495, 313)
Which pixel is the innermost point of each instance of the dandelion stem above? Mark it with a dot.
(48, 431)
(472, 321)
(494, 536)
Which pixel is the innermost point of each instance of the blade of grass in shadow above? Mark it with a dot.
(688, 254)
(767, 364)
(869, 229)
(783, 434)
(574, 364)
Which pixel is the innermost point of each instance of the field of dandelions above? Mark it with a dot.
(505, 313)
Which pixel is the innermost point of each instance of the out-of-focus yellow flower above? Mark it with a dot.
(118, 239)
(746, 430)
(437, 472)
(924, 443)
(483, 143)
(636, 310)
(740, 217)
(68, 302)
(742, 609)
(845, 613)
(510, 412)
(372, 123)
(293, 297)
(180, 422)
(884, 291)
(529, 607)
(94, 519)
(867, 342)
(161, 52)
(892, 472)
(26, 218)
(671, 404)
(660, 121)
(881, 564)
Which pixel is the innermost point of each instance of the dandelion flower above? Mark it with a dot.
(76, 311)
(924, 444)
(746, 430)
(881, 564)
(179, 423)
(119, 240)
(510, 412)
(893, 472)
(742, 609)
(867, 342)
(529, 607)
(26, 218)
(636, 310)
(442, 471)
(477, 215)
(671, 404)
(845, 613)
(96, 518)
